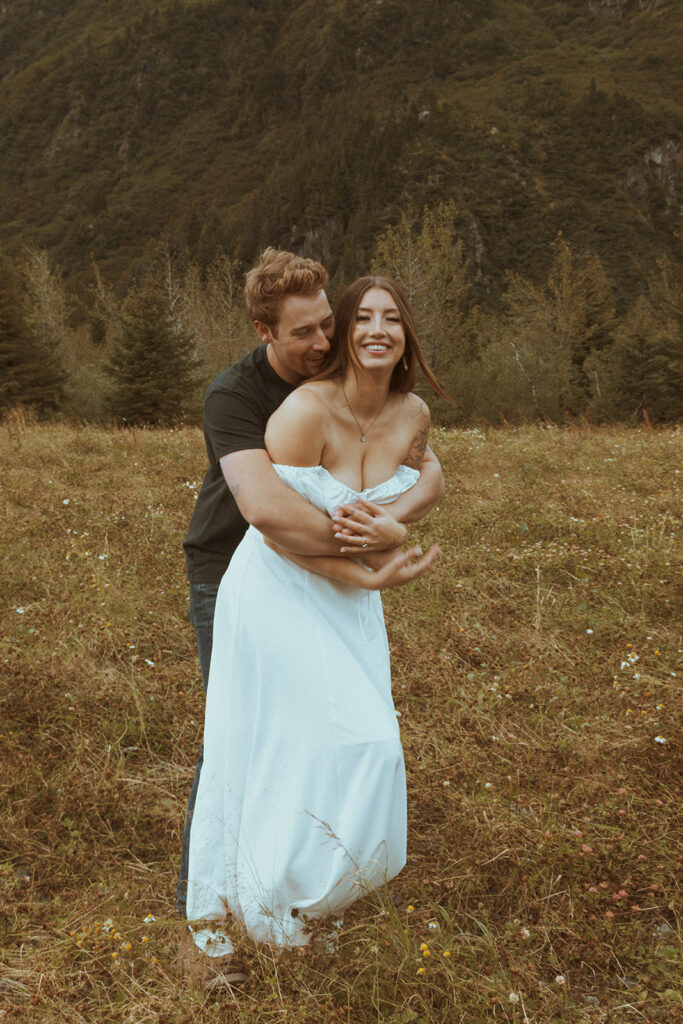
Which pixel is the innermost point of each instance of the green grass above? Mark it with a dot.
(544, 839)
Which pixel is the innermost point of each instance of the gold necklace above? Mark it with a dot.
(363, 430)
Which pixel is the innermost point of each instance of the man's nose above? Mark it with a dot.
(322, 342)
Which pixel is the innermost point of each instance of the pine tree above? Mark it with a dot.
(46, 305)
(552, 329)
(153, 365)
(643, 369)
(30, 373)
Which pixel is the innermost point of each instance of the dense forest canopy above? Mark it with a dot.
(212, 128)
(315, 124)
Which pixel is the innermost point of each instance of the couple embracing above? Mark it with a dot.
(318, 458)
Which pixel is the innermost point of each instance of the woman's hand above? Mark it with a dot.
(364, 526)
(402, 567)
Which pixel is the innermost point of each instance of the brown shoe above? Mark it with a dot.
(208, 973)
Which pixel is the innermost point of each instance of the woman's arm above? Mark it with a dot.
(357, 522)
(414, 504)
(399, 568)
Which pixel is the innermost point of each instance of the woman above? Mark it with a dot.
(301, 806)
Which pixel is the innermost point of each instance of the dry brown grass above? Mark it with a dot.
(544, 838)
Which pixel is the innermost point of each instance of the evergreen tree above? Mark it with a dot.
(153, 365)
(643, 369)
(46, 305)
(554, 327)
(30, 373)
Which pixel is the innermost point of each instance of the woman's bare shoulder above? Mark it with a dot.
(295, 430)
(306, 400)
(413, 409)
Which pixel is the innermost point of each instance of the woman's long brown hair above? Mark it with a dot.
(341, 353)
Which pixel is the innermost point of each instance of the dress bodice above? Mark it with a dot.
(327, 493)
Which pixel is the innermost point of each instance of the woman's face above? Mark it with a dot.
(378, 338)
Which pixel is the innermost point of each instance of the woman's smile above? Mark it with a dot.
(378, 329)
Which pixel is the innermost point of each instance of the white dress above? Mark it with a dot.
(301, 806)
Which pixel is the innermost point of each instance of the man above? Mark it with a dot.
(285, 297)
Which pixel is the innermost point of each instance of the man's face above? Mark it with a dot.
(301, 338)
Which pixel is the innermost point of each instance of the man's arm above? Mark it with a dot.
(394, 568)
(277, 511)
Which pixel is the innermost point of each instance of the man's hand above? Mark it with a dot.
(364, 526)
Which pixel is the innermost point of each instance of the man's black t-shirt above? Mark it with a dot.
(237, 407)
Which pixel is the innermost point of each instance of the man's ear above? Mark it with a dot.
(263, 330)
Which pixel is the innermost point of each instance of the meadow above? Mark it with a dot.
(536, 673)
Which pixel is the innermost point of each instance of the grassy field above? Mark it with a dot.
(536, 673)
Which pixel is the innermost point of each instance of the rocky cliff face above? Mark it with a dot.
(657, 181)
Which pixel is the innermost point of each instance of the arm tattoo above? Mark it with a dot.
(418, 447)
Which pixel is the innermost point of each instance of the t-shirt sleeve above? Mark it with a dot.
(233, 422)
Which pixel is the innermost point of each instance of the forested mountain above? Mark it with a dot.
(314, 124)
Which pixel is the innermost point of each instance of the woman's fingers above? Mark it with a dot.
(360, 526)
(354, 516)
(425, 561)
(353, 508)
(369, 506)
(352, 541)
(407, 566)
(369, 526)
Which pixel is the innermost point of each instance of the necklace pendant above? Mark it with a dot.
(362, 437)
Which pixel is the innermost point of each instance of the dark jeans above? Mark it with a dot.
(200, 614)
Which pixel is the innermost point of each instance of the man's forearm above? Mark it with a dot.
(277, 511)
(296, 525)
(342, 570)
